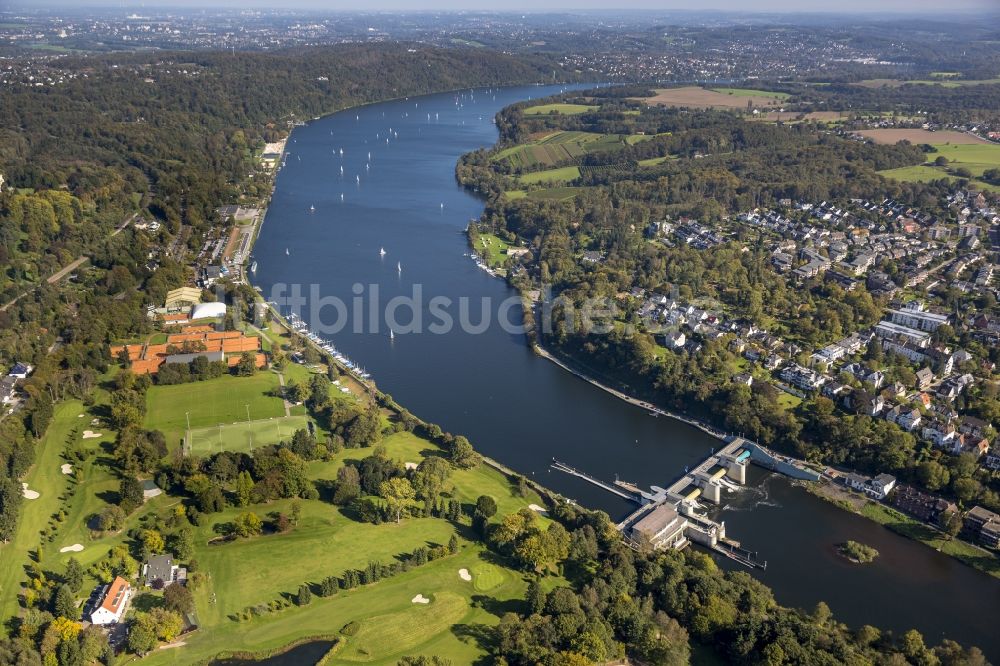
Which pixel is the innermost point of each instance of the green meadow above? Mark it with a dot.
(976, 157)
(559, 109)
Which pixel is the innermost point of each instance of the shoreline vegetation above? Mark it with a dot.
(857, 553)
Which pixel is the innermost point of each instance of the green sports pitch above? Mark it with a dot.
(242, 435)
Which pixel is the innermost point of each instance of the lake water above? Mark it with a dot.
(326, 229)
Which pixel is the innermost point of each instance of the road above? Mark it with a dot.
(63, 272)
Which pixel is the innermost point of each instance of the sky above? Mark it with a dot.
(741, 6)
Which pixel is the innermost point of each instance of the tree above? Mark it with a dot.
(430, 477)
(178, 598)
(152, 542)
(348, 485)
(141, 635)
(398, 493)
(111, 518)
(63, 603)
(247, 365)
(248, 524)
(304, 595)
(129, 494)
(462, 454)
(244, 488)
(73, 575)
(486, 506)
(183, 543)
(364, 430)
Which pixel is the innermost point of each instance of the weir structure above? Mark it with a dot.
(671, 517)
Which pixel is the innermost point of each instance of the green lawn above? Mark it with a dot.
(326, 542)
(560, 175)
(559, 109)
(241, 436)
(209, 403)
(493, 249)
(976, 157)
(750, 92)
(46, 478)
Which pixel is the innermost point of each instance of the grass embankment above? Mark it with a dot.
(911, 527)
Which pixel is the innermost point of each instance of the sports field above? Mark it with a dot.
(243, 436)
(209, 403)
(558, 109)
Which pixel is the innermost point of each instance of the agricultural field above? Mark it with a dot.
(562, 146)
(560, 175)
(749, 92)
(696, 97)
(209, 403)
(918, 136)
(976, 157)
(559, 109)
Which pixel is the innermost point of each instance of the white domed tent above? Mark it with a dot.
(208, 311)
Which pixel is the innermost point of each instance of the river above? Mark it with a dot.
(325, 228)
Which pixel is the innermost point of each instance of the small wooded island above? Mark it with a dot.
(858, 553)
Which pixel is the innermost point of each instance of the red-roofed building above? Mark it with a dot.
(114, 603)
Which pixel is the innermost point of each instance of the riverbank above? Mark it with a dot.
(907, 526)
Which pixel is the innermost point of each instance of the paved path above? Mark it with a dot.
(288, 405)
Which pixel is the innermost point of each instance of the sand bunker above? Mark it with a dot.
(420, 599)
(29, 494)
(464, 574)
(539, 509)
(66, 468)
(410, 465)
(90, 434)
(75, 548)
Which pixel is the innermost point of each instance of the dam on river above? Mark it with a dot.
(670, 518)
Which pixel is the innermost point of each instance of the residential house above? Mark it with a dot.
(8, 390)
(803, 378)
(914, 315)
(925, 377)
(114, 601)
(983, 526)
(878, 487)
(924, 506)
(744, 378)
(909, 420)
(674, 340)
(20, 371)
(160, 571)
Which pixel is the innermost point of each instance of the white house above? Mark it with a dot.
(114, 603)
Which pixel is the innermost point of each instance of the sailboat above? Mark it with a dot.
(312, 209)
(381, 252)
(341, 196)
(341, 170)
(358, 178)
(341, 151)
(392, 335)
(286, 252)
(369, 156)
(399, 267)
